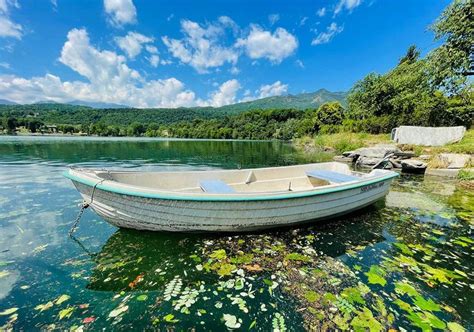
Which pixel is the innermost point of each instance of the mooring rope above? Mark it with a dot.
(84, 206)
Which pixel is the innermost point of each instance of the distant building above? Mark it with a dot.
(50, 129)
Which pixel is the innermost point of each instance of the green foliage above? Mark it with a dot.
(450, 61)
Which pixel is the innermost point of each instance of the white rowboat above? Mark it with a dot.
(228, 200)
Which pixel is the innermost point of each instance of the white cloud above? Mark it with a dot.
(154, 60)
(346, 4)
(321, 12)
(270, 90)
(303, 20)
(200, 47)
(234, 70)
(326, 36)
(120, 12)
(132, 43)
(273, 18)
(299, 63)
(5, 65)
(267, 90)
(151, 49)
(8, 28)
(226, 94)
(108, 79)
(264, 44)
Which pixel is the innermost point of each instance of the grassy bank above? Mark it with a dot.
(342, 142)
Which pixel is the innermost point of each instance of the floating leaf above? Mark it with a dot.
(353, 295)
(169, 318)
(423, 304)
(364, 320)
(66, 313)
(61, 299)
(4, 273)
(8, 312)
(173, 288)
(43, 307)
(88, 320)
(253, 268)
(297, 257)
(278, 323)
(118, 311)
(311, 296)
(142, 297)
(375, 275)
(405, 288)
(218, 254)
(455, 327)
(231, 321)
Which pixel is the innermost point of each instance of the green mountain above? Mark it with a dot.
(57, 113)
(300, 101)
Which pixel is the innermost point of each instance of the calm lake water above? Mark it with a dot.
(405, 262)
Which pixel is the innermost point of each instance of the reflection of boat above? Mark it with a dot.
(228, 200)
(129, 256)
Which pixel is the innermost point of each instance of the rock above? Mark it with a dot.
(424, 157)
(413, 166)
(377, 151)
(367, 161)
(456, 160)
(372, 156)
(343, 159)
(395, 163)
(427, 136)
(445, 172)
(348, 154)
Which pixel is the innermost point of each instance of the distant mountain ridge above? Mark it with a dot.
(300, 101)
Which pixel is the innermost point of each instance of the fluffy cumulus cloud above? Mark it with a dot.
(225, 95)
(108, 78)
(133, 42)
(120, 12)
(270, 90)
(266, 90)
(274, 46)
(273, 18)
(321, 12)
(347, 5)
(8, 28)
(201, 47)
(326, 36)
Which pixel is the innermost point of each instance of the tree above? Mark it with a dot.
(11, 124)
(411, 56)
(450, 61)
(331, 113)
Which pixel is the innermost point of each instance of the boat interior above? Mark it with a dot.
(273, 179)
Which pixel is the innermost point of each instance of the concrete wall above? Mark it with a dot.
(427, 136)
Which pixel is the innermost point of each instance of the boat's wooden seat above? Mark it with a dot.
(216, 187)
(331, 176)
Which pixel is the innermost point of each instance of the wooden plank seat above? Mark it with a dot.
(331, 176)
(216, 187)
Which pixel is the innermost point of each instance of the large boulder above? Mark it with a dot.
(413, 166)
(450, 160)
(371, 156)
(427, 136)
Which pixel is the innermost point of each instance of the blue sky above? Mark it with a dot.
(187, 53)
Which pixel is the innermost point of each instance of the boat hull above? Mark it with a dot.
(157, 214)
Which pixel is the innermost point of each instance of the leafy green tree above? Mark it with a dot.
(331, 113)
(11, 124)
(450, 61)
